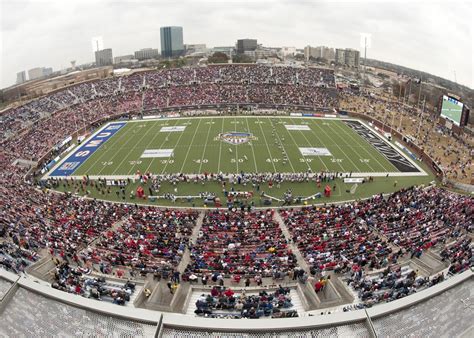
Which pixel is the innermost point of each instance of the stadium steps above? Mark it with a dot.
(309, 299)
(433, 261)
(192, 303)
(344, 291)
(297, 303)
(179, 300)
(43, 269)
(133, 296)
(420, 267)
(299, 257)
(333, 295)
(160, 298)
(197, 228)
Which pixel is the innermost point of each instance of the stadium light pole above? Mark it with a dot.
(409, 93)
(419, 92)
(421, 118)
(400, 126)
(393, 122)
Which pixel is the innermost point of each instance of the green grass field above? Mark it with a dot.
(198, 148)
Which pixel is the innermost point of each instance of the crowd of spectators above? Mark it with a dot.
(149, 240)
(77, 280)
(224, 302)
(453, 153)
(458, 254)
(335, 238)
(417, 219)
(376, 232)
(16, 256)
(392, 283)
(241, 243)
(166, 88)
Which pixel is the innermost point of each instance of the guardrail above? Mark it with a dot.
(164, 320)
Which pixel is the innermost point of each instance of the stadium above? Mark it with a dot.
(233, 200)
(224, 192)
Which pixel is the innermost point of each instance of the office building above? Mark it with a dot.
(171, 41)
(195, 48)
(39, 72)
(352, 58)
(319, 52)
(246, 45)
(229, 51)
(146, 54)
(287, 51)
(347, 57)
(20, 77)
(103, 57)
(124, 58)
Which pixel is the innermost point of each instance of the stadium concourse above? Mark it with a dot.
(251, 263)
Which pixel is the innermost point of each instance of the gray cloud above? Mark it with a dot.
(431, 36)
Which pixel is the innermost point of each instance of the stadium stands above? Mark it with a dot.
(241, 243)
(92, 236)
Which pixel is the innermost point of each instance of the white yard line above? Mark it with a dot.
(337, 145)
(161, 145)
(133, 148)
(236, 150)
(205, 147)
(348, 144)
(309, 143)
(251, 146)
(364, 148)
(220, 149)
(354, 174)
(279, 140)
(268, 148)
(190, 146)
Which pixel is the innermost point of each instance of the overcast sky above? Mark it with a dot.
(433, 36)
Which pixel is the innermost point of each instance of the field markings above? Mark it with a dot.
(220, 148)
(236, 151)
(190, 146)
(310, 144)
(284, 149)
(251, 146)
(345, 143)
(105, 149)
(342, 150)
(205, 147)
(138, 143)
(266, 143)
(366, 148)
(161, 145)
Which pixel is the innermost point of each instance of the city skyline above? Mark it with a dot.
(50, 34)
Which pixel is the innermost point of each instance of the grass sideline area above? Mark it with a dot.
(364, 190)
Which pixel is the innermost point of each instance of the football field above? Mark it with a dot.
(232, 145)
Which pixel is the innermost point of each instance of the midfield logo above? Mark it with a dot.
(236, 137)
